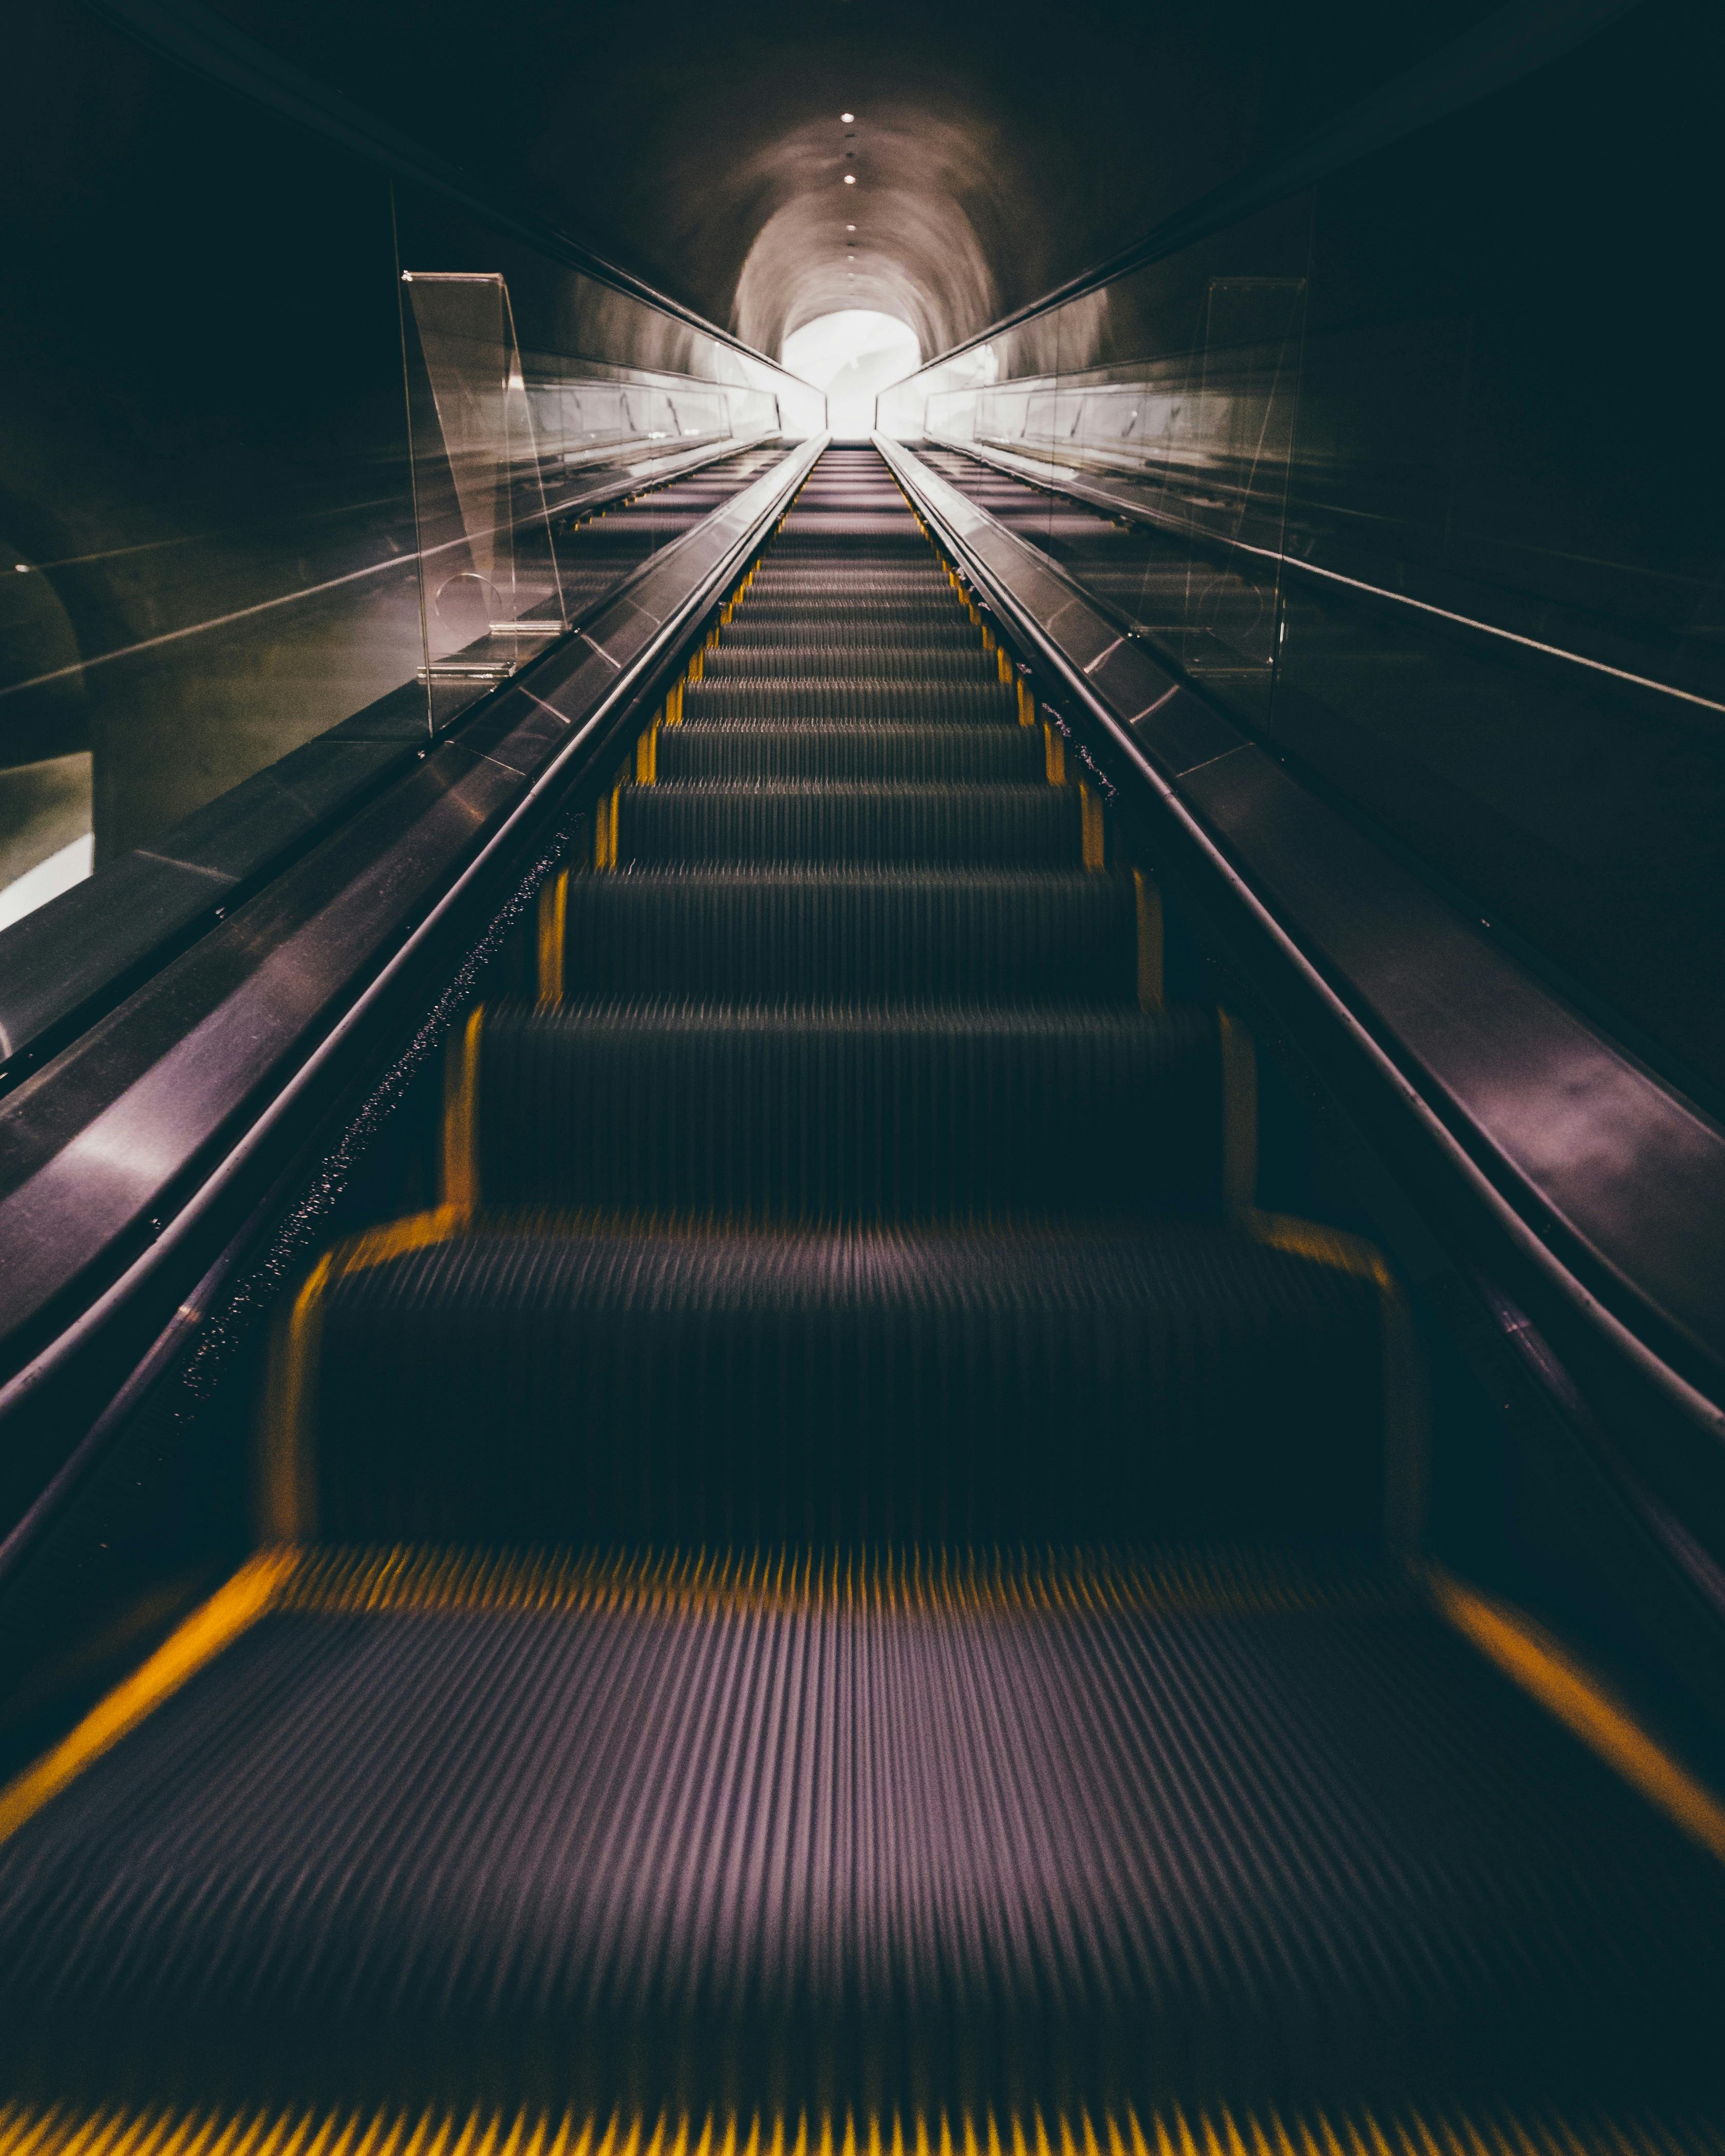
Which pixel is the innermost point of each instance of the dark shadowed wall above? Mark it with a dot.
(996, 151)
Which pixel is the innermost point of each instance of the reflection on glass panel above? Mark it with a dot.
(491, 591)
(210, 543)
(560, 428)
(1228, 441)
(1142, 436)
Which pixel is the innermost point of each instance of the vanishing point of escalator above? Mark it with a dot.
(831, 1594)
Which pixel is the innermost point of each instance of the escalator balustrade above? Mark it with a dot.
(833, 1595)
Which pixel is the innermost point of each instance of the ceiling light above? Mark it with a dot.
(851, 228)
(850, 179)
(847, 117)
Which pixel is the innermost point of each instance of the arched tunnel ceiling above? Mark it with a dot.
(995, 151)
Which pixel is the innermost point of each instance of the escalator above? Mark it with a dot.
(841, 1588)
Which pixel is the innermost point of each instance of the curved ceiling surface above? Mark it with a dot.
(990, 152)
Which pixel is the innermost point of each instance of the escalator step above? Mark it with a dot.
(979, 755)
(980, 826)
(853, 935)
(965, 1850)
(867, 699)
(818, 1113)
(718, 1386)
(882, 661)
(830, 584)
(668, 1816)
(933, 607)
(788, 644)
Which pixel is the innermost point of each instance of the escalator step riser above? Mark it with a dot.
(745, 1112)
(918, 582)
(853, 936)
(979, 755)
(713, 1388)
(791, 643)
(1018, 827)
(810, 570)
(861, 701)
(809, 567)
(767, 664)
(818, 613)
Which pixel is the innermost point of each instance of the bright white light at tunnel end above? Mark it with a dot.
(852, 354)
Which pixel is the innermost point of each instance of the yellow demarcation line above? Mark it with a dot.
(528, 2129)
(1027, 704)
(286, 1495)
(553, 914)
(728, 1583)
(199, 1639)
(1054, 751)
(1094, 839)
(604, 829)
(287, 1500)
(1574, 1696)
(459, 1164)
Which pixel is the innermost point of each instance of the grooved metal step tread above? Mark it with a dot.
(855, 932)
(824, 1111)
(979, 1833)
(978, 754)
(998, 826)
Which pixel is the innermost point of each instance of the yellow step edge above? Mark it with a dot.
(1093, 838)
(1573, 1695)
(604, 830)
(458, 1154)
(485, 2129)
(205, 1633)
(553, 915)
